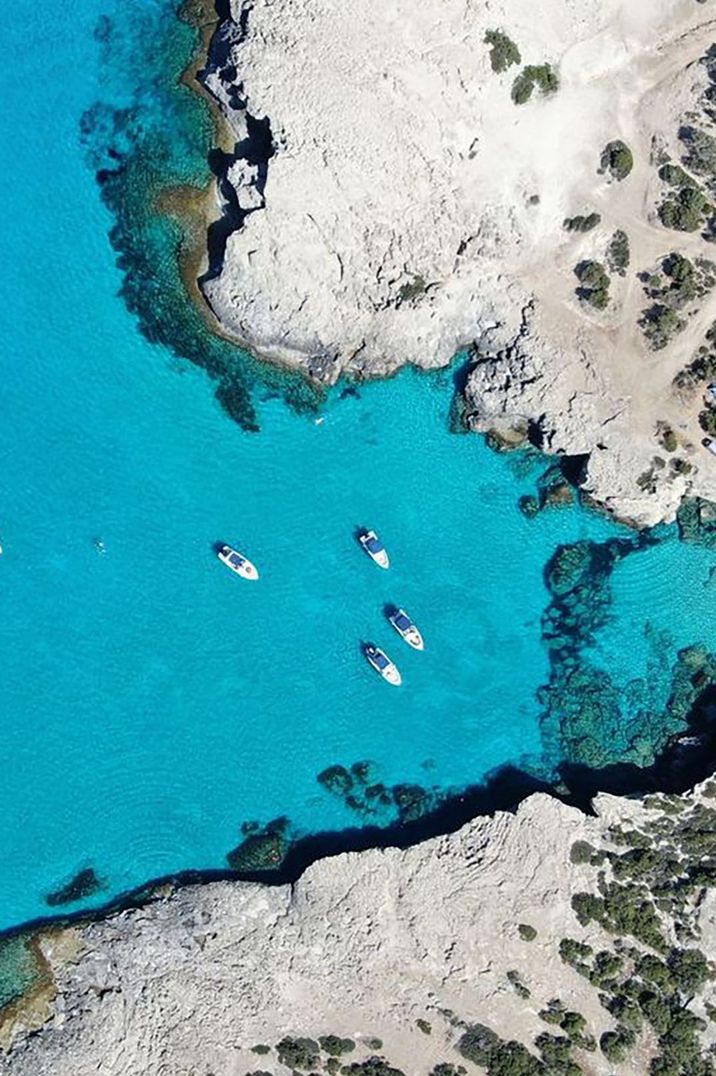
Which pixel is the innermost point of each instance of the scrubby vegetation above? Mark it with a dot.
(301, 1053)
(527, 932)
(542, 77)
(335, 1046)
(582, 223)
(594, 283)
(685, 210)
(677, 284)
(617, 159)
(503, 51)
(618, 254)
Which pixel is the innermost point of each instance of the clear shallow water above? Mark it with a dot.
(151, 702)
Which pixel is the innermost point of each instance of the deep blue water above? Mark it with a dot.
(151, 702)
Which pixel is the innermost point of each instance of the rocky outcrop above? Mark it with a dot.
(388, 202)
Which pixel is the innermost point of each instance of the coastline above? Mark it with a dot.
(209, 971)
(505, 792)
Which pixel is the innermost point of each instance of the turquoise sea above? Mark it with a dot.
(152, 703)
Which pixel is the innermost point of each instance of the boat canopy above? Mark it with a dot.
(236, 559)
(381, 660)
(374, 545)
(403, 621)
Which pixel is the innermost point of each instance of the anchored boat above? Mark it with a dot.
(374, 548)
(237, 562)
(406, 629)
(382, 664)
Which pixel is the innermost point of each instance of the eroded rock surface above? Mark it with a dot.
(393, 204)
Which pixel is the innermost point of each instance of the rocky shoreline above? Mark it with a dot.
(320, 263)
(399, 954)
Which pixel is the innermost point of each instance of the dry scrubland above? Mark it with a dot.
(544, 943)
(418, 175)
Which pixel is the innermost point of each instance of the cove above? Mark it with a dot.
(152, 704)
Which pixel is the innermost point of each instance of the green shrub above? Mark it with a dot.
(618, 254)
(424, 1026)
(261, 1048)
(624, 1009)
(700, 150)
(527, 932)
(615, 1045)
(653, 971)
(689, 968)
(503, 51)
(373, 1066)
(675, 176)
(594, 283)
(483, 1047)
(582, 223)
(478, 1044)
(588, 907)
(543, 77)
(334, 1045)
(660, 323)
(581, 852)
(617, 159)
(554, 1049)
(301, 1053)
(518, 985)
(684, 211)
(606, 966)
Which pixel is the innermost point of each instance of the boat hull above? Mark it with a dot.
(244, 569)
(409, 635)
(390, 673)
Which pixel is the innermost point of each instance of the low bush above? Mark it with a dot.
(542, 77)
(301, 1053)
(334, 1045)
(582, 223)
(615, 1045)
(617, 159)
(503, 51)
(618, 253)
(527, 932)
(685, 211)
(594, 283)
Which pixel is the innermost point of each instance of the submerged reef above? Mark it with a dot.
(84, 884)
(597, 722)
(365, 795)
(262, 849)
(152, 159)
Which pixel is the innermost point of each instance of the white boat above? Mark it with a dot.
(238, 562)
(406, 629)
(374, 548)
(382, 664)
(710, 445)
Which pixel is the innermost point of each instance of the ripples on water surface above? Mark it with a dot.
(151, 702)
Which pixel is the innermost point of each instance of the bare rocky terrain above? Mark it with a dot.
(388, 202)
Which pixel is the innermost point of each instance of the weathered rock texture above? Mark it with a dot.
(362, 946)
(392, 203)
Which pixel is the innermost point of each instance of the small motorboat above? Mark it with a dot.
(238, 562)
(374, 548)
(406, 629)
(382, 664)
(710, 444)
